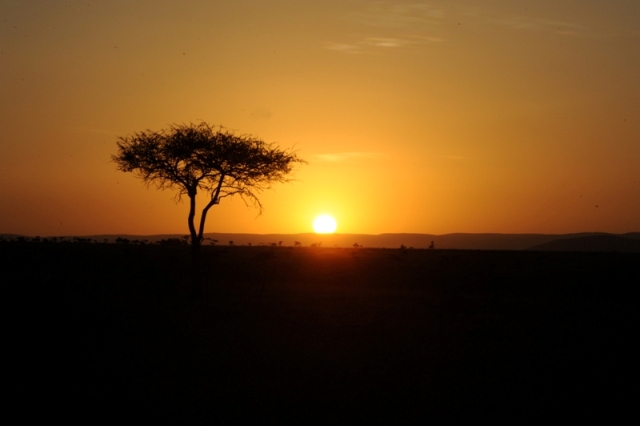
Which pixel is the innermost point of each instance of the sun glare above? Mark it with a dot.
(324, 224)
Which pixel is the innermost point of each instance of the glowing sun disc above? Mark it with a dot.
(324, 224)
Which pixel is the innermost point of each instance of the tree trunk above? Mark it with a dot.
(197, 239)
(196, 242)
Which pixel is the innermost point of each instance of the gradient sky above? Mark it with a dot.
(431, 117)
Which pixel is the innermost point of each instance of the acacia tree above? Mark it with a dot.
(197, 158)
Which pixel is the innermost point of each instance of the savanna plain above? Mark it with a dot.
(321, 335)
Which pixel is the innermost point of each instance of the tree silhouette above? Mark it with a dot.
(199, 157)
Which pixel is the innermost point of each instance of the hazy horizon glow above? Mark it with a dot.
(422, 117)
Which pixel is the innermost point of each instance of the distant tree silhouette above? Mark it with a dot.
(171, 242)
(199, 157)
(297, 244)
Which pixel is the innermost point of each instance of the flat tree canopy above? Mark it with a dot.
(199, 157)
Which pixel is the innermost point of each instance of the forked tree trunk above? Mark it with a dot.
(196, 242)
(198, 236)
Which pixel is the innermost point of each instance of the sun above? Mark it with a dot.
(324, 224)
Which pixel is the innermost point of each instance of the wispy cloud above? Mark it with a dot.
(542, 24)
(410, 23)
(367, 44)
(386, 26)
(339, 157)
(383, 42)
(344, 47)
(563, 28)
(401, 15)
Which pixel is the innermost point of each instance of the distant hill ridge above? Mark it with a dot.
(590, 241)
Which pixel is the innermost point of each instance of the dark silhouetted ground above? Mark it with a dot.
(320, 335)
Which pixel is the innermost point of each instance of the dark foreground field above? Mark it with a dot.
(320, 335)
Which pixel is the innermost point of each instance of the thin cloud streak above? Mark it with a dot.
(419, 22)
(344, 47)
(381, 43)
(561, 28)
(392, 15)
(542, 24)
(391, 25)
(346, 156)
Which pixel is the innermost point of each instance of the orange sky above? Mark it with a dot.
(428, 117)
